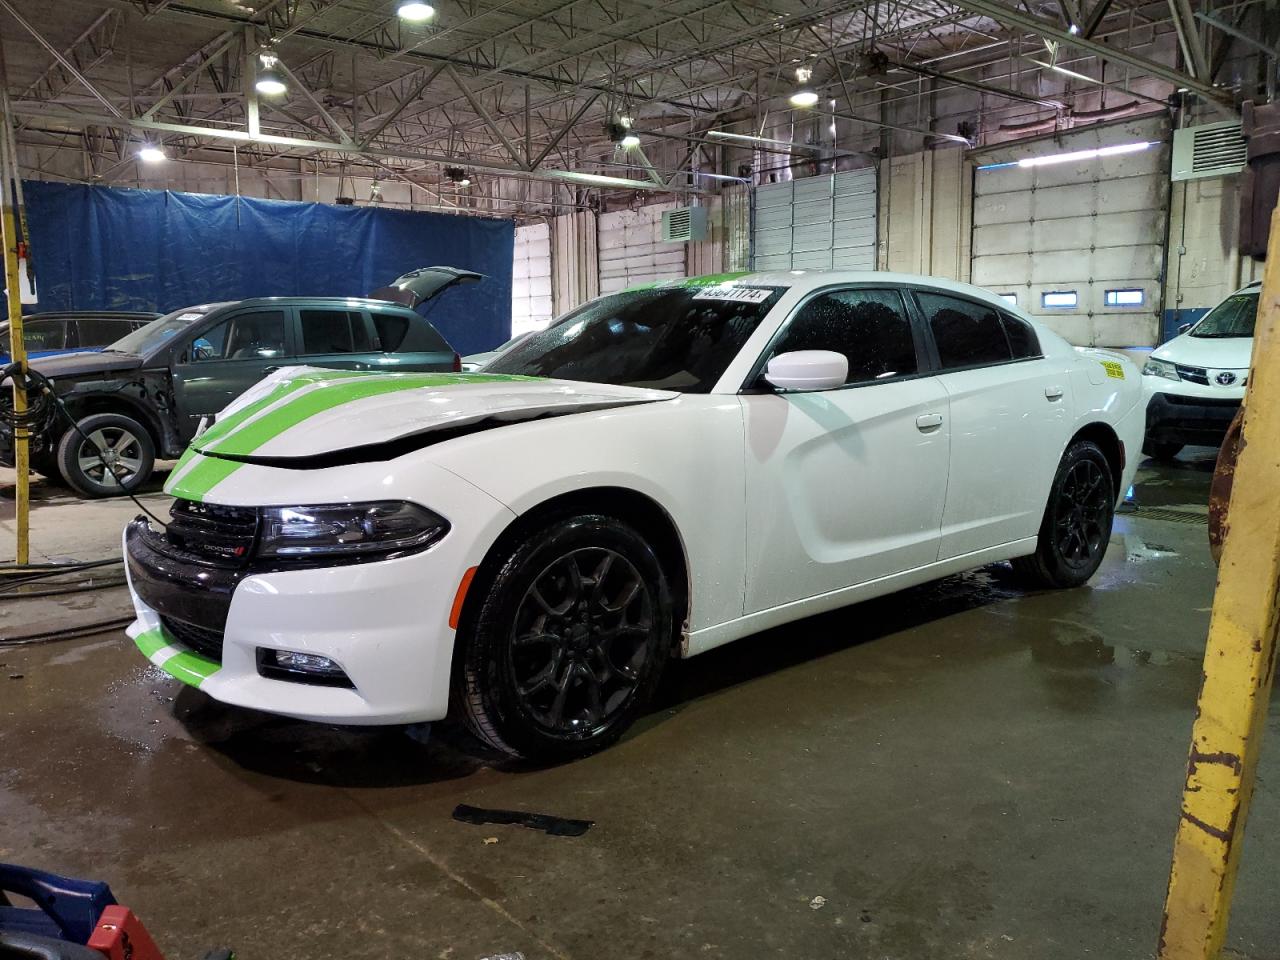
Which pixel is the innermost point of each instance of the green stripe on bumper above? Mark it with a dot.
(191, 668)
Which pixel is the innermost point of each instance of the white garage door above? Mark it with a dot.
(632, 251)
(1080, 244)
(817, 223)
(531, 279)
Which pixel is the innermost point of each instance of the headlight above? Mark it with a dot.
(1160, 368)
(348, 530)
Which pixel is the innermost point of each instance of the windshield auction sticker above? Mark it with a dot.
(736, 294)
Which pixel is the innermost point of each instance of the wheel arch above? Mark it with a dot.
(88, 404)
(1108, 441)
(629, 505)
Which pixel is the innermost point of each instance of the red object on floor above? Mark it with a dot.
(120, 935)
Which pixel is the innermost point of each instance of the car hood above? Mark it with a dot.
(1229, 353)
(317, 418)
(85, 364)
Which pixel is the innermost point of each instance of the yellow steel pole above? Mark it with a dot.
(17, 349)
(1239, 664)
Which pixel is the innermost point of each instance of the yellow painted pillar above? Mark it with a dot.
(18, 353)
(1239, 664)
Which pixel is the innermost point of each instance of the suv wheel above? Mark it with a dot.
(1077, 521)
(120, 441)
(567, 642)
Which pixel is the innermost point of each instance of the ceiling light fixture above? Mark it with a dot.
(804, 97)
(270, 83)
(630, 141)
(415, 12)
(457, 176)
(1120, 148)
(151, 154)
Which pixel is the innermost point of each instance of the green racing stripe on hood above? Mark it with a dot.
(240, 435)
(707, 280)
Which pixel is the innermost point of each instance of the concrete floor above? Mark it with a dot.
(960, 770)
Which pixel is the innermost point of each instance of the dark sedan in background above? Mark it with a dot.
(49, 334)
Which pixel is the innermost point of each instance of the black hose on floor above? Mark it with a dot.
(67, 633)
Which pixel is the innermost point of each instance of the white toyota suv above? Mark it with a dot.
(1195, 382)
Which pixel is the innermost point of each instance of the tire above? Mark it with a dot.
(116, 434)
(551, 671)
(1077, 521)
(1163, 451)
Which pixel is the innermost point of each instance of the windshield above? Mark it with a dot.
(668, 338)
(155, 334)
(1234, 317)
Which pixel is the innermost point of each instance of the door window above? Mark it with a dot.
(869, 327)
(968, 333)
(41, 335)
(246, 336)
(1023, 341)
(98, 332)
(334, 331)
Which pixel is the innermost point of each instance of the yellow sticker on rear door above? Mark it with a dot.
(1114, 370)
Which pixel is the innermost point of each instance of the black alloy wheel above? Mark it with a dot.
(1076, 526)
(578, 642)
(561, 644)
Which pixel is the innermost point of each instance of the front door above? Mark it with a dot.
(847, 485)
(225, 360)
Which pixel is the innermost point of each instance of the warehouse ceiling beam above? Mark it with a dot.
(61, 58)
(311, 98)
(426, 77)
(1049, 31)
(1095, 18)
(977, 85)
(320, 146)
(1184, 24)
(560, 134)
(191, 77)
(1239, 34)
(484, 115)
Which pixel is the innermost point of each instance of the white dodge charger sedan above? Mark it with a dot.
(659, 472)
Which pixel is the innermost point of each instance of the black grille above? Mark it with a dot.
(212, 532)
(202, 640)
(1194, 374)
(1181, 401)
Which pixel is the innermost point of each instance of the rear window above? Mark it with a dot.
(968, 334)
(1022, 338)
(391, 329)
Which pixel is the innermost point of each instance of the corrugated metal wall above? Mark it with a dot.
(632, 250)
(531, 279)
(1083, 227)
(817, 223)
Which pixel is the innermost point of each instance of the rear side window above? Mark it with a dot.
(96, 332)
(870, 327)
(334, 331)
(391, 328)
(1022, 338)
(968, 334)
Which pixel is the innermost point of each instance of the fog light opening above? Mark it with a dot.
(301, 668)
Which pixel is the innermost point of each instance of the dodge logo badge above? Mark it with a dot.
(1226, 378)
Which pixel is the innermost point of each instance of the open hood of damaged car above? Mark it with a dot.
(304, 417)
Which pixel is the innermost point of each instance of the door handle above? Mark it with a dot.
(929, 421)
(1053, 393)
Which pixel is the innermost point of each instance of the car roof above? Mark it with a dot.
(93, 315)
(366, 302)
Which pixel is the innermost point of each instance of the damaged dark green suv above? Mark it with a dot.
(143, 397)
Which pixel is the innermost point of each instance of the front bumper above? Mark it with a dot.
(384, 622)
(1189, 419)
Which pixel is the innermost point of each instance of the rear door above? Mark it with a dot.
(227, 358)
(1009, 421)
(340, 338)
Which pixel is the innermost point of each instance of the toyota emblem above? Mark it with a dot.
(1226, 378)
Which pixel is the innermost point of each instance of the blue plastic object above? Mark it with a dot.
(68, 908)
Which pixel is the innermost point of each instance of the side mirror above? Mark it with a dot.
(1183, 327)
(808, 370)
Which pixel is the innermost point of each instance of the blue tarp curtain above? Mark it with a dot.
(105, 248)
